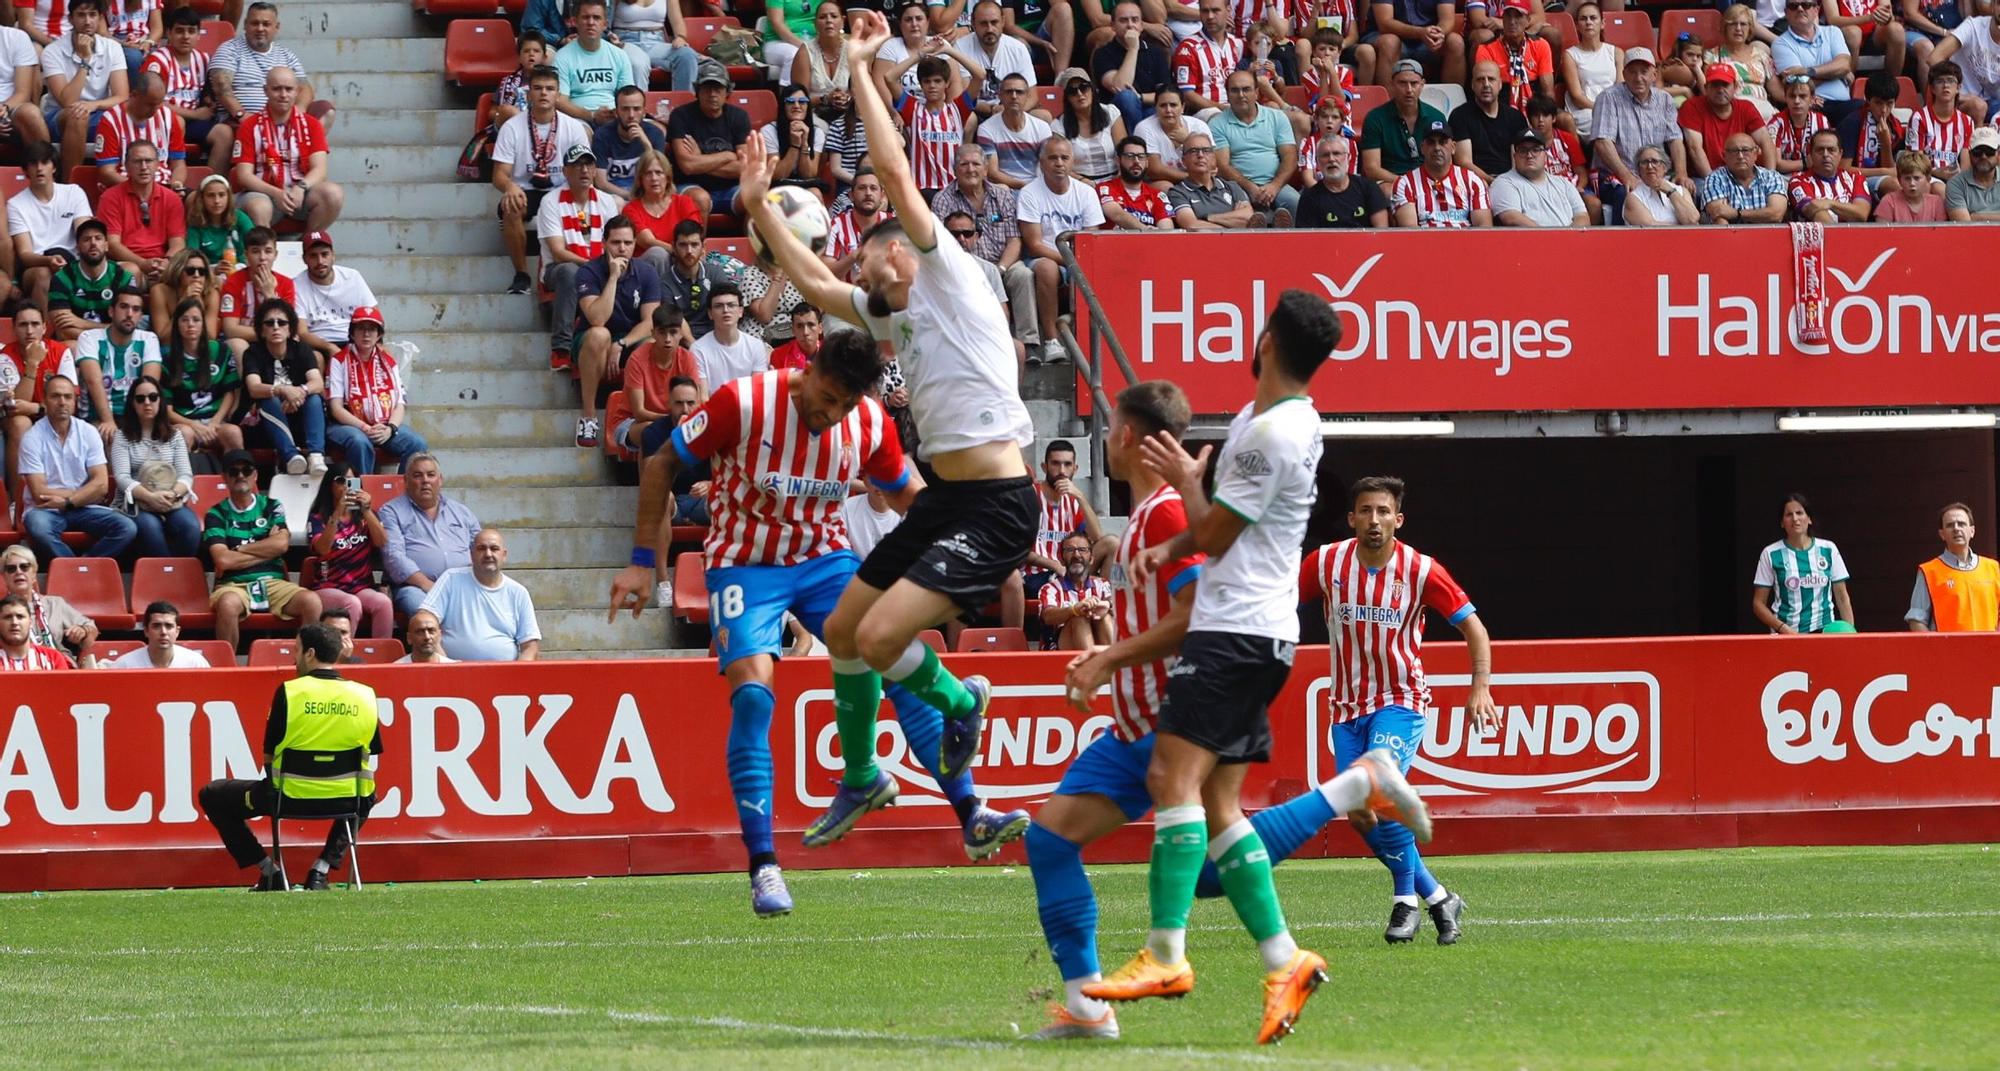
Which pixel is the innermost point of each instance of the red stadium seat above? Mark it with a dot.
(213, 33)
(701, 32)
(934, 640)
(1704, 24)
(479, 52)
(13, 181)
(762, 104)
(456, 9)
(382, 488)
(208, 490)
(689, 534)
(378, 652)
(733, 247)
(616, 411)
(1366, 99)
(483, 114)
(992, 639)
(1298, 97)
(1629, 29)
(85, 176)
(93, 586)
(176, 580)
(1906, 93)
(219, 654)
(309, 572)
(1049, 99)
(108, 651)
(8, 533)
(690, 588)
(274, 652)
(1565, 26)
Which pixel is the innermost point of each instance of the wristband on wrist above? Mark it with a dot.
(643, 556)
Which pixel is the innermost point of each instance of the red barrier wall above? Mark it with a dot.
(1468, 321)
(541, 770)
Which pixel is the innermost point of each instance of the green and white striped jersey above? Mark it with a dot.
(1801, 582)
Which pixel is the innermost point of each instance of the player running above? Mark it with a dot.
(1376, 588)
(973, 525)
(1106, 786)
(785, 445)
(1238, 650)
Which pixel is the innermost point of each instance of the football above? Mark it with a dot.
(804, 215)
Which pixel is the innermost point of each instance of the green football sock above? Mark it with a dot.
(1245, 868)
(857, 698)
(1180, 845)
(935, 685)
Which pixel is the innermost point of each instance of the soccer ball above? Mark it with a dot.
(804, 215)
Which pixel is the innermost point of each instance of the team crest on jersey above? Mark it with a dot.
(1398, 591)
(1252, 463)
(695, 425)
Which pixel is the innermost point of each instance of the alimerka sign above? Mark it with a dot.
(1481, 321)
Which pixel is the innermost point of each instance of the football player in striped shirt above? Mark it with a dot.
(785, 446)
(971, 526)
(1801, 580)
(1376, 588)
(1106, 786)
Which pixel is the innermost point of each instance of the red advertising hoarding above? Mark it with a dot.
(534, 769)
(1484, 321)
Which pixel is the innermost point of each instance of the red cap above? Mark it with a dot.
(366, 314)
(319, 238)
(1514, 5)
(1720, 72)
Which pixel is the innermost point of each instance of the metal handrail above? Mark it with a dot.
(1098, 319)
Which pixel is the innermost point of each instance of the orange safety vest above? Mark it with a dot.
(1964, 600)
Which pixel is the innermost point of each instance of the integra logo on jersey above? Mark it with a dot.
(1562, 733)
(779, 485)
(1032, 735)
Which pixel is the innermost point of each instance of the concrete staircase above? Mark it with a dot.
(480, 388)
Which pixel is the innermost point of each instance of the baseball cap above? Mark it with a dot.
(710, 70)
(1514, 5)
(1437, 129)
(367, 314)
(91, 223)
(237, 457)
(1072, 74)
(1640, 55)
(578, 154)
(1985, 137)
(319, 238)
(1720, 72)
(1408, 66)
(1529, 138)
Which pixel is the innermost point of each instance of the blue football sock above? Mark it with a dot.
(1396, 847)
(750, 765)
(1425, 885)
(1283, 829)
(1067, 905)
(923, 727)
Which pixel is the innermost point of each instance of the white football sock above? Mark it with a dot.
(1438, 896)
(1410, 900)
(1277, 951)
(1079, 1005)
(1347, 792)
(1167, 946)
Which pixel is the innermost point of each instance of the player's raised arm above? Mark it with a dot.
(805, 269)
(885, 153)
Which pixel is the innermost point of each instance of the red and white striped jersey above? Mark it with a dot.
(129, 20)
(1243, 14)
(779, 487)
(51, 16)
(1309, 155)
(1441, 202)
(35, 657)
(1940, 139)
(1202, 66)
(1311, 16)
(1845, 185)
(1792, 137)
(1062, 516)
(933, 140)
(1309, 80)
(184, 80)
(279, 153)
(1137, 691)
(117, 129)
(1375, 623)
(1058, 592)
(844, 236)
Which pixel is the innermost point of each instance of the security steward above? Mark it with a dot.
(316, 711)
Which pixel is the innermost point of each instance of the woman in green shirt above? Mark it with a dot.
(215, 226)
(787, 25)
(202, 382)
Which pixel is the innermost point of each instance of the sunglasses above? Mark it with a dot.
(798, 100)
(1076, 89)
(963, 235)
(145, 397)
(274, 322)
(17, 567)
(1801, 7)
(242, 470)
(191, 270)
(1984, 151)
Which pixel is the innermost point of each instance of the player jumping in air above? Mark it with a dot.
(1233, 662)
(1106, 786)
(972, 526)
(785, 445)
(1376, 589)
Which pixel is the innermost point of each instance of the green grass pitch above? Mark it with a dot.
(1764, 959)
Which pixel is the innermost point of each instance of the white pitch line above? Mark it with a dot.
(722, 940)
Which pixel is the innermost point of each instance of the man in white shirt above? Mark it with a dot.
(484, 616)
(328, 296)
(426, 637)
(728, 352)
(84, 72)
(1012, 144)
(528, 151)
(1048, 207)
(868, 518)
(42, 221)
(1164, 132)
(20, 62)
(162, 651)
(999, 53)
(67, 481)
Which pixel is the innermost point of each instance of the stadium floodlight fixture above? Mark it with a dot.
(1944, 421)
(1386, 429)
